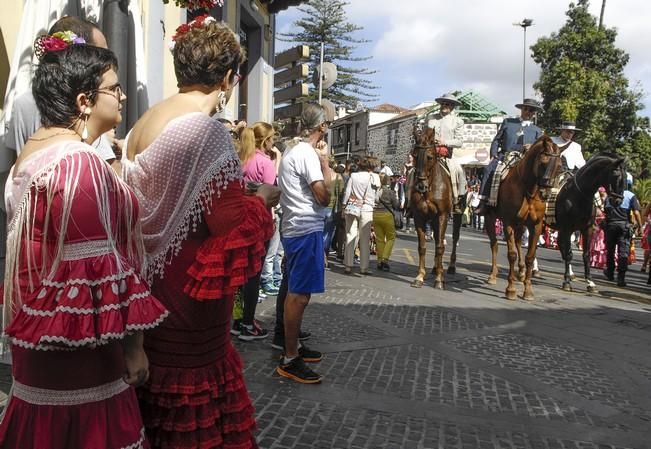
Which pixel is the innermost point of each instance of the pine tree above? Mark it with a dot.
(582, 79)
(325, 21)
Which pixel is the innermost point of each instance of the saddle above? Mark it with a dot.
(501, 171)
(550, 199)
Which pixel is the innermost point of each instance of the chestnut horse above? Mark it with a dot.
(520, 203)
(575, 210)
(431, 199)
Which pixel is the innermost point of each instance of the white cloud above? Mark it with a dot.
(464, 44)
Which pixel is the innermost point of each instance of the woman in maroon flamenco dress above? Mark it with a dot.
(204, 237)
(75, 305)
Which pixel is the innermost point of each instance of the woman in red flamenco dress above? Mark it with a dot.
(75, 305)
(203, 237)
(598, 243)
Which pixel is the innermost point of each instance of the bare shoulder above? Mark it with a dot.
(154, 121)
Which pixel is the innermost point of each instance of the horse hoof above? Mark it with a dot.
(452, 270)
(592, 289)
(438, 285)
(511, 296)
(417, 283)
(567, 287)
(528, 297)
(492, 281)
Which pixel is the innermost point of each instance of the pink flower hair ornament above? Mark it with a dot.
(198, 22)
(56, 42)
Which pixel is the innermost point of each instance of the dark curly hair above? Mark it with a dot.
(203, 55)
(62, 75)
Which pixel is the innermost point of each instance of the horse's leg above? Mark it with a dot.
(439, 236)
(587, 242)
(518, 248)
(456, 230)
(435, 231)
(534, 234)
(489, 225)
(512, 256)
(565, 247)
(419, 223)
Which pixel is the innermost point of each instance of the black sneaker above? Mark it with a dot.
(385, 267)
(235, 329)
(309, 355)
(298, 371)
(255, 332)
(278, 341)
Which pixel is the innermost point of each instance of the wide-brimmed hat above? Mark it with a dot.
(448, 98)
(568, 125)
(530, 103)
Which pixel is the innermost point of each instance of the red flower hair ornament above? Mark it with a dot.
(198, 22)
(57, 42)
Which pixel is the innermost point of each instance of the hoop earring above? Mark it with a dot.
(221, 101)
(84, 132)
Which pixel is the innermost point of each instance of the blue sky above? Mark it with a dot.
(423, 48)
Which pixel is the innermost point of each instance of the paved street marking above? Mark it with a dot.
(408, 255)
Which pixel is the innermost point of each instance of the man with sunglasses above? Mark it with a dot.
(512, 135)
(448, 131)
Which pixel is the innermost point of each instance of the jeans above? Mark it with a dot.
(271, 266)
(328, 229)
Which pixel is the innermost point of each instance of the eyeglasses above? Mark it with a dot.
(115, 90)
(527, 108)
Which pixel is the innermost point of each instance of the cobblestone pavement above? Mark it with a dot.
(460, 368)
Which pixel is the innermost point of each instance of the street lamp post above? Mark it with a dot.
(524, 24)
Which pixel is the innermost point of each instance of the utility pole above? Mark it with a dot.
(601, 16)
(321, 73)
(524, 24)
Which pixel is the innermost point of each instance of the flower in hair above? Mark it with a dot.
(197, 4)
(198, 22)
(57, 42)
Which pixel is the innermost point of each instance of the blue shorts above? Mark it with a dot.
(305, 263)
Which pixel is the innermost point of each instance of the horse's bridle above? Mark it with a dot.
(419, 170)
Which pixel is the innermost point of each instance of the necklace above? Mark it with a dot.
(60, 133)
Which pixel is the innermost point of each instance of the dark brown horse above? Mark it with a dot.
(520, 203)
(575, 210)
(431, 199)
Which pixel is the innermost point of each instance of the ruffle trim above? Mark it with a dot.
(85, 310)
(201, 407)
(223, 264)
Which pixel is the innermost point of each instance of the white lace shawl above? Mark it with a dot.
(173, 180)
(43, 172)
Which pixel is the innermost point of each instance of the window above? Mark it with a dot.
(357, 133)
(340, 136)
(392, 139)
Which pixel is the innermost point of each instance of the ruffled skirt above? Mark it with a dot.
(199, 408)
(71, 400)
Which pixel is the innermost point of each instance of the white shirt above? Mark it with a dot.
(447, 129)
(302, 214)
(364, 186)
(573, 154)
(386, 170)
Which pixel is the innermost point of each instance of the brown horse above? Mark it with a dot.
(520, 203)
(431, 199)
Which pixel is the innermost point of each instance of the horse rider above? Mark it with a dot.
(512, 135)
(448, 131)
(618, 231)
(571, 153)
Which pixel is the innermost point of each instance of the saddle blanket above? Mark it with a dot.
(501, 171)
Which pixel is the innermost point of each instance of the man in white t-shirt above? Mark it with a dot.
(385, 169)
(303, 178)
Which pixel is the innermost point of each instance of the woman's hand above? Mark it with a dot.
(135, 360)
(270, 194)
